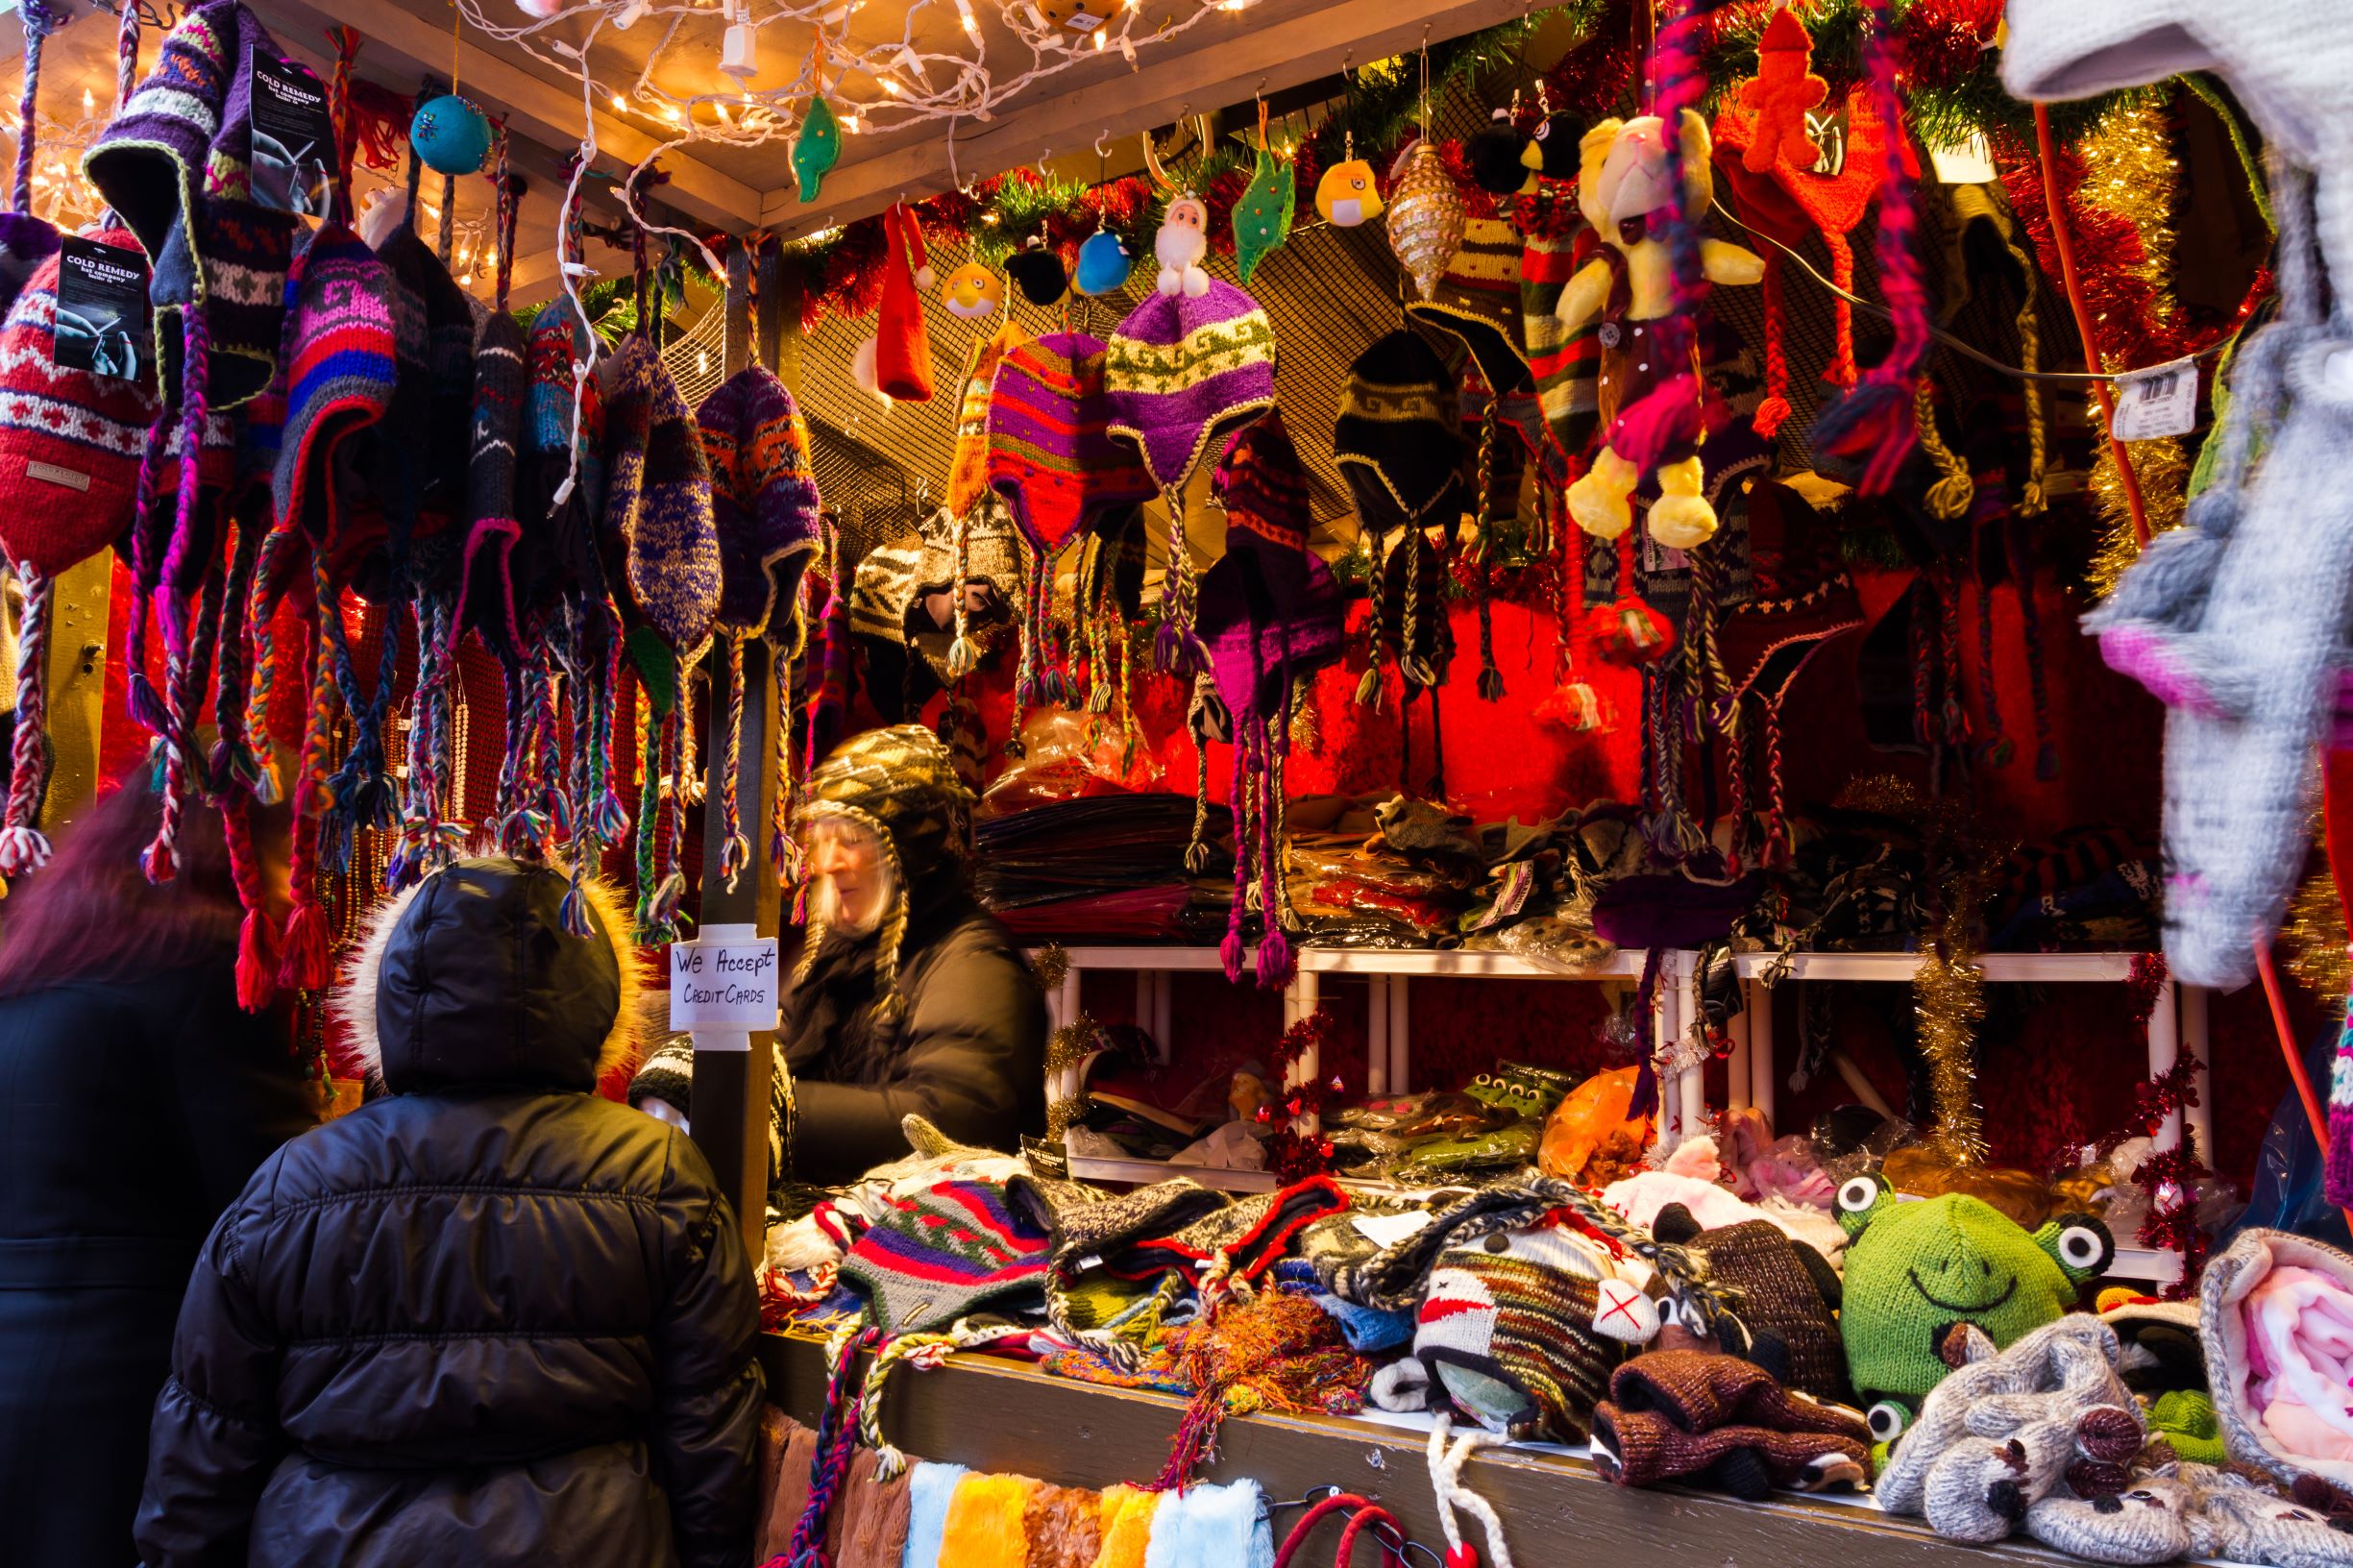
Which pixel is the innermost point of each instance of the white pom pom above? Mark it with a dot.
(923, 277)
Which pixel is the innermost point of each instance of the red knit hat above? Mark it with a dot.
(902, 352)
(69, 467)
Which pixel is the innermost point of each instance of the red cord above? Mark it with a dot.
(2287, 1048)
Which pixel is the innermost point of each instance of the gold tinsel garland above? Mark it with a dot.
(2129, 170)
(1949, 1000)
(2315, 941)
(1065, 1049)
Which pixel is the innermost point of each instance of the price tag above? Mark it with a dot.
(723, 983)
(1388, 1230)
(1968, 163)
(2158, 401)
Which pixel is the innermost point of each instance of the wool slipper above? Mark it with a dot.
(2147, 1523)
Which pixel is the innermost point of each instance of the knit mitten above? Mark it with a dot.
(1981, 1489)
(1993, 1394)
(2234, 1518)
(2147, 1523)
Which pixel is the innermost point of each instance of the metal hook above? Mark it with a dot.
(1307, 1500)
(1102, 144)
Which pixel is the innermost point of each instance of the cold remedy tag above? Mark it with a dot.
(293, 139)
(2158, 401)
(102, 310)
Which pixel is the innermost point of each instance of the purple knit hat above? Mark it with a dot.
(1050, 453)
(763, 499)
(657, 500)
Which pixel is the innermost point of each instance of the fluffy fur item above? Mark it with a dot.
(1064, 1527)
(354, 1004)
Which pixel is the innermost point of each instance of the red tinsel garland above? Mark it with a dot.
(1295, 1156)
(2118, 292)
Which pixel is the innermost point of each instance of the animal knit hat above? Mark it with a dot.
(1675, 1415)
(899, 784)
(69, 465)
(1184, 372)
(934, 1256)
(1786, 1319)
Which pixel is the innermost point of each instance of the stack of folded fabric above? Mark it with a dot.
(1101, 866)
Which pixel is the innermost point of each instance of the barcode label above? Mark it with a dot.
(2156, 402)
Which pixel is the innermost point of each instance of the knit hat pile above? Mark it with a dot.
(936, 1256)
(1696, 1414)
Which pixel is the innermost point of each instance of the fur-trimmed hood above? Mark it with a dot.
(469, 978)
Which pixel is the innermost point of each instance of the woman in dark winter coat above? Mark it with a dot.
(135, 1099)
(488, 1319)
(909, 996)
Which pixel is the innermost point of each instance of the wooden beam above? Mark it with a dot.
(1283, 46)
(536, 109)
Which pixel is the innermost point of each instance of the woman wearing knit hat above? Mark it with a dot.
(907, 995)
(141, 1098)
(488, 1318)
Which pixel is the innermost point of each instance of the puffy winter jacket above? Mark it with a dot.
(488, 1319)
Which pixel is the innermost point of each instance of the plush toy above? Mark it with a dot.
(1348, 194)
(1102, 265)
(1916, 1271)
(816, 147)
(1182, 240)
(973, 291)
(1263, 217)
(1779, 94)
(1623, 179)
(1038, 273)
(1494, 156)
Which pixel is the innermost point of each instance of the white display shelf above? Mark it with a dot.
(2005, 969)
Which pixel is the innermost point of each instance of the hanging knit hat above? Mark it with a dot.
(968, 471)
(902, 350)
(764, 499)
(559, 540)
(1271, 616)
(433, 479)
(70, 464)
(980, 548)
(1556, 242)
(1050, 451)
(341, 371)
(899, 783)
(25, 240)
(492, 524)
(1398, 442)
(934, 1256)
(1507, 1334)
(658, 499)
(1477, 300)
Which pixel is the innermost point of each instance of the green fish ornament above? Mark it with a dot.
(818, 148)
(1263, 217)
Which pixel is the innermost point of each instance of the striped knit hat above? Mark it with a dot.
(968, 470)
(1050, 453)
(1397, 441)
(1566, 366)
(658, 499)
(559, 542)
(341, 373)
(1263, 486)
(764, 501)
(934, 1256)
(1477, 300)
(493, 525)
(1184, 371)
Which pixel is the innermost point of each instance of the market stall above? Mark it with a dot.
(1554, 765)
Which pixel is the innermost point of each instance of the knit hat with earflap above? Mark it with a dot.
(932, 1257)
(968, 469)
(1477, 300)
(1184, 372)
(25, 240)
(899, 784)
(1397, 441)
(493, 525)
(69, 465)
(657, 500)
(1271, 617)
(764, 501)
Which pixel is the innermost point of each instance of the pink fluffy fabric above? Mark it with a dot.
(2299, 1340)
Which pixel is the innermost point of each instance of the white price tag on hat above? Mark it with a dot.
(2158, 401)
(722, 985)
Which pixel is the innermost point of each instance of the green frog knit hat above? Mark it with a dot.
(900, 784)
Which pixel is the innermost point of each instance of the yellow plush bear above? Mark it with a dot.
(1622, 187)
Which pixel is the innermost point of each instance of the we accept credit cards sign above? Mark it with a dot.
(723, 982)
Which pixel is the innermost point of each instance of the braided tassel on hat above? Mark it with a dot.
(735, 849)
(22, 846)
(1177, 649)
(1368, 685)
(961, 655)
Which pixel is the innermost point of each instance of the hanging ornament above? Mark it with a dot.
(1102, 265)
(1348, 194)
(1182, 240)
(450, 135)
(1494, 153)
(1037, 273)
(1263, 217)
(974, 292)
(816, 147)
(1425, 216)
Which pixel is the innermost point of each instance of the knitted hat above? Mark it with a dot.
(25, 240)
(980, 547)
(1786, 1318)
(1477, 300)
(492, 523)
(934, 1256)
(1050, 454)
(1565, 365)
(1271, 617)
(2270, 1309)
(1184, 371)
(900, 784)
(1677, 1414)
(560, 541)
(763, 498)
(340, 378)
(658, 499)
(1091, 1226)
(1398, 442)
(1248, 1236)
(967, 471)
(903, 351)
(426, 486)
(1505, 1334)
(667, 1075)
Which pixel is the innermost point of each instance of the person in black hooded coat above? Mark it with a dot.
(489, 1318)
(908, 997)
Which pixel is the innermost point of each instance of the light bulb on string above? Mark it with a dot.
(620, 105)
(702, 361)
(89, 101)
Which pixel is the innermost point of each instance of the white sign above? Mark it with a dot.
(723, 983)
(2158, 401)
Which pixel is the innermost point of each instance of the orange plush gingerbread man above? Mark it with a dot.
(1782, 91)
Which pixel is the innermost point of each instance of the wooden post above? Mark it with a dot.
(732, 1082)
(76, 677)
